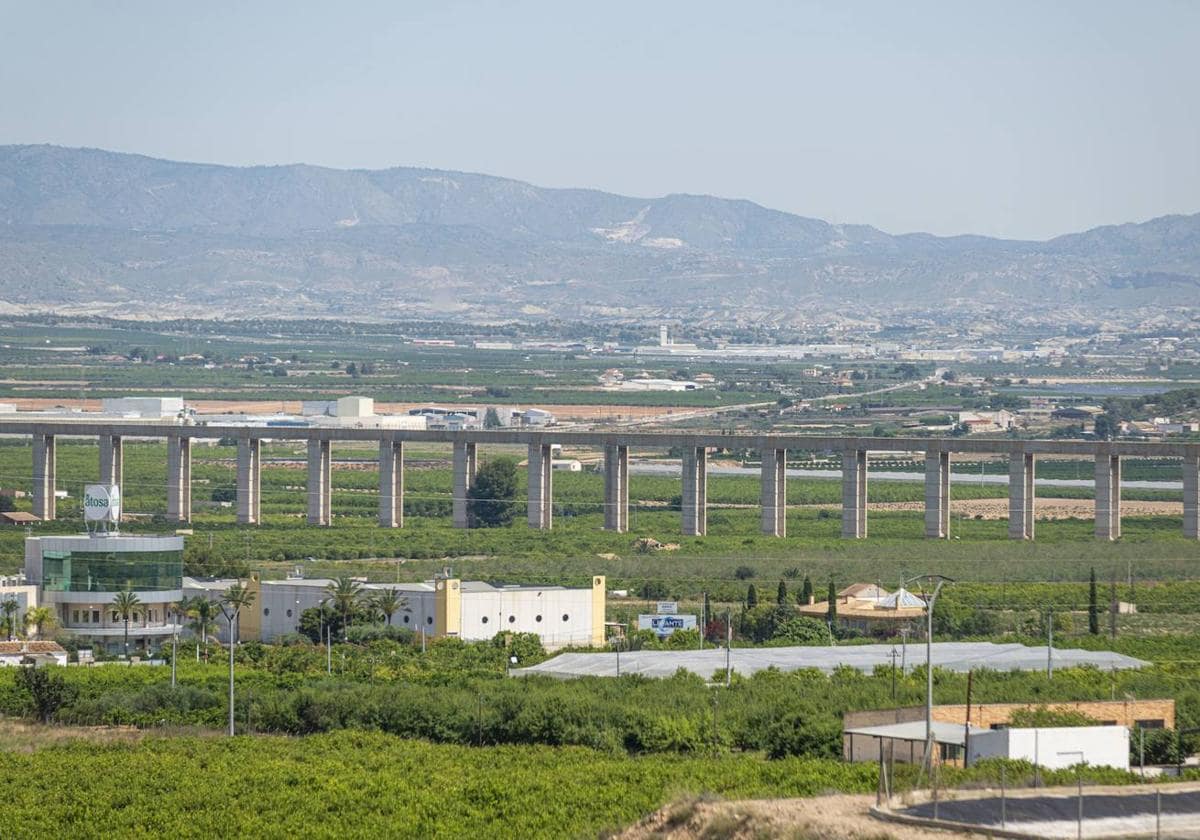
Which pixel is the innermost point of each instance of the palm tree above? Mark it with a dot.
(203, 615)
(124, 603)
(344, 592)
(39, 617)
(389, 602)
(10, 607)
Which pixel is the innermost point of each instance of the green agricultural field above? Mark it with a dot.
(367, 784)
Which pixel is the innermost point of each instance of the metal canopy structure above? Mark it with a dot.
(914, 730)
(950, 656)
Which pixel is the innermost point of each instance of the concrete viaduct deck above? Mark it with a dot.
(855, 452)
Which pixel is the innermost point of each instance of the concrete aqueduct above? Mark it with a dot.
(938, 452)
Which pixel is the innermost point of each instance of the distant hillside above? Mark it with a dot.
(82, 229)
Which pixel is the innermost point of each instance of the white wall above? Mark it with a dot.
(1056, 747)
(277, 598)
(518, 611)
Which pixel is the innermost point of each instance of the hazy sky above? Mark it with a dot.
(1024, 119)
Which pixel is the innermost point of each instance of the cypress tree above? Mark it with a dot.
(751, 597)
(806, 591)
(1093, 606)
(781, 594)
(831, 613)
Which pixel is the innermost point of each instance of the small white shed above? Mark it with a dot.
(1055, 747)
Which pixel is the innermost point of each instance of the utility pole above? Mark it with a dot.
(893, 656)
(728, 643)
(1113, 606)
(1050, 643)
(930, 601)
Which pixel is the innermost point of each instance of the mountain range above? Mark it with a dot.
(85, 230)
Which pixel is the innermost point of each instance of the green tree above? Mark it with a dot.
(316, 621)
(388, 602)
(124, 603)
(781, 594)
(344, 593)
(202, 615)
(806, 590)
(48, 691)
(1093, 605)
(1106, 427)
(751, 597)
(10, 607)
(490, 501)
(7, 505)
(39, 618)
(491, 419)
(831, 611)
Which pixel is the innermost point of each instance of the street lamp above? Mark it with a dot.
(174, 644)
(327, 631)
(236, 598)
(929, 602)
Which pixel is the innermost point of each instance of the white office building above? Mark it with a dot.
(79, 576)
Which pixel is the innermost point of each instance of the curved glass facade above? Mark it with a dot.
(111, 571)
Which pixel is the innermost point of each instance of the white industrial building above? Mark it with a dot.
(1056, 747)
(469, 610)
(355, 413)
(537, 417)
(155, 408)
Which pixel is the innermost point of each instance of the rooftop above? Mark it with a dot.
(23, 647)
(951, 656)
(943, 733)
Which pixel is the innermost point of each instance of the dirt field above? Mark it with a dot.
(614, 413)
(837, 817)
(1045, 509)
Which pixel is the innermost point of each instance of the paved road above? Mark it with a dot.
(1050, 809)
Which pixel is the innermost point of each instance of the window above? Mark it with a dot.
(289, 613)
(538, 619)
(1150, 723)
(75, 616)
(566, 617)
(266, 610)
(406, 619)
(512, 619)
(429, 619)
(114, 617)
(1107, 723)
(111, 571)
(484, 619)
(95, 616)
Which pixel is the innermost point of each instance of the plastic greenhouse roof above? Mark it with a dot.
(951, 656)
